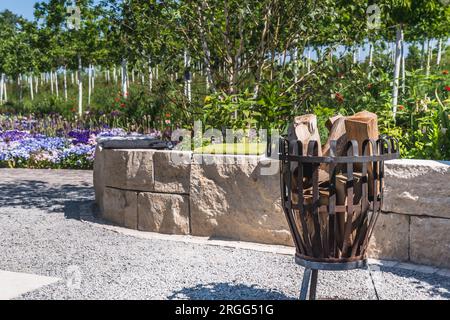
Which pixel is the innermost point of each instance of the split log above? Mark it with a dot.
(360, 127)
(337, 130)
(305, 129)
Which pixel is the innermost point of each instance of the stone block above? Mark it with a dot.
(390, 239)
(163, 213)
(237, 197)
(120, 207)
(417, 187)
(430, 241)
(129, 169)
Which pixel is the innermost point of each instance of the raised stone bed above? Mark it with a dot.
(233, 197)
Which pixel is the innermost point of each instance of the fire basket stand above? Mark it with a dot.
(332, 203)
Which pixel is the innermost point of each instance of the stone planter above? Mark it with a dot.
(232, 197)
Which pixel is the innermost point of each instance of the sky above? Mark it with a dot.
(24, 8)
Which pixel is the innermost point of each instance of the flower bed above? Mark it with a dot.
(22, 149)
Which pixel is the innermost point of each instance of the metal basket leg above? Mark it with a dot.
(309, 282)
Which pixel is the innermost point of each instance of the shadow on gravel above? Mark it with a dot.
(440, 285)
(227, 291)
(29, 194)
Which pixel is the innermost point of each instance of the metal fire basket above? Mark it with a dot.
(332, 203)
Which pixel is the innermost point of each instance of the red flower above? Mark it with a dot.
(369, 86)
(401, 107)
(447, 88)
(117, 99)
(168, 115)
(122, 105)
(445, 72)
(339, 97)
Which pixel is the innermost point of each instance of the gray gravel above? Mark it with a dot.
(40, 233)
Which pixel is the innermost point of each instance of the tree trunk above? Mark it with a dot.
(19, 82)
(439, 53)
(65, 83)
(89, 84)
(51, 82)
(429, 52)
(30, 79)
(115, 74)
(187, 76)
(5, 86)
(2, 84)
(94, 75)
(150, 75)
(56, 84)
(124, 79)
(403, 65)
(398, 49)
(80, 87)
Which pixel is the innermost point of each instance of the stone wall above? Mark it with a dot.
(232, 197)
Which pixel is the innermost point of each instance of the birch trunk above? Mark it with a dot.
(124, 79)
(2, 83)
(187, 76)
(5, 86)
(80, 87)
(51, 82)
(56, 84)
(403, 65)
(94, 75)
(30, 79)
(89, 84)
(429, 52)
(150, 75)
(65, 83)
(439, 53)
(398, 49)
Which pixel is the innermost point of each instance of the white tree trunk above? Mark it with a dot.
(72, 78)
(150, 75)
(80, 87)
(5, 86)
(30, 79)
(36, 80)
(403, 65)
(65, 83)
(439, 53)
(56, 84)
(94, 75)
(51, 82)
(2, 84)
(398, 49)
(308, 61)
(295, 64)
(89, 84)
(124, 79)
(429, 52)
(371, 55)
(187, 76)
(115, 74)
(355, 55)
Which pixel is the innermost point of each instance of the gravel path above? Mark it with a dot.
(40, 233)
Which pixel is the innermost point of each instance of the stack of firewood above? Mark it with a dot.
(359, 127)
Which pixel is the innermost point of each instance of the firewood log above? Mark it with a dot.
(360, 127)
